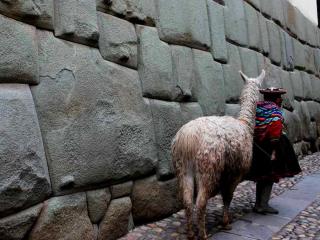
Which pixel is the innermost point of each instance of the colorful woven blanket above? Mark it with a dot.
(269, 120)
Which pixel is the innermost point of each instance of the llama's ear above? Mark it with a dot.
(243, 76)
(261, 77)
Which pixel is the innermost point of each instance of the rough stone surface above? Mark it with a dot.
(315, 84)
(311, 33)
(184, 22)
(118, 40)
(217, 31)
(300, 22)
(249, 62)
(183, 72)
(138, 11)
(306, 86)
(309, 61)
(167, 121)
(255, 3)
(209, 85)
(292, 125)
(232, 110)
(98, 202)
(288, 98)
(274, 42)
(116, 221)
(121, 190)
(277, 11)
(252, 16)
(24, 178)
(316, 55)
(264, 34)
(92, 115)
(289, 12)
(299, 54)
(233, 82)
(301, 108)
(235, 20)
(273, 77)
(62, 218)
(154, 200)
(70, 25)
(15, 227)
(19, 52)
(35, 12)
(296, 81)
(155, 65)
(287, 52)
(266, 7)
(190, 111)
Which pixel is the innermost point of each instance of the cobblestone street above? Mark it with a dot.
(304, 226)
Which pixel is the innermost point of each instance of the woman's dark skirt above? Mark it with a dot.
(285, 165)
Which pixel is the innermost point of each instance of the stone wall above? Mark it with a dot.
(93, 92)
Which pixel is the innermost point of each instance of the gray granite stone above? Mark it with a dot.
(314, 111)
(209, 84)
(292, 126)
(264, 34)
(316, 55)
(190, 111)
(16, 226)
(183, 72)
(184, 22)
(287, 52)
(167, 120)
(72, 26)
(299, 54)
(93, 116)
(115, 223)
(233, 82)
(274, 42)
(235, 20)
(232, 110)
(255, 3)
(62, 217)
(289, 12)
(315, 84)
(276, 11)
(155, 65)
(35, 12)
(309, 61)
(301, 108)
(273, 77)
(306, 86)
(141, 11)
(217, 31)
(249, 62)
(19, 52)
(152, 199)
(98, 202)
(266, 7)
(288, 98)
(311, 33)
(24, 177)
(300, 22)
(252, 17)
(118, 40)
(121, 190)
(296, 81)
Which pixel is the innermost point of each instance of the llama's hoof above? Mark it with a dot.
(226, 227)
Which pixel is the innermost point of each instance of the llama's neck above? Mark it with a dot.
(248, 101)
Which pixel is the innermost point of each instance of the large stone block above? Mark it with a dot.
(155, 65)
(316, 55)
(35, 12)
(121, 190)
(266, 7)
(167, 121)
(252, 16)
(184, 22)
(288, 98)
(296, 82)
(299, 54)
(209, 84)
(306, 86)
(64, 217)
(249, 62)
(19, 52)
(309, 61)
(300, 22)
(301, 108)
(92, 115)
(235, 19)
(289, 12)
(273, 77)
(153, 200)
(118, 40)
(15, 227)
(232, 110)
(233, 82)
(116, 221)
(97, 203)
(311, 33)
(76, 21)
(255, 3)
(274, 42)
(138, 11)
(314, 111)
(315, 84)
(287, 52)
(183, 72)
(190, 111)
(24, 178)
(217, 31)
(292, 126)
(264, 34)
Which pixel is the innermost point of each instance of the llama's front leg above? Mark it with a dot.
(201, 204)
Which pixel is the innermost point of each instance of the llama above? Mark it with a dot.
(212, 154)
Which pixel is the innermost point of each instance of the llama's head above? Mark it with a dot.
(257, 81)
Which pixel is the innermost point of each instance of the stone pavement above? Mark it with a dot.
(297, 198)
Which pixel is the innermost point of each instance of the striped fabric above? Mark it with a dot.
(269, 120)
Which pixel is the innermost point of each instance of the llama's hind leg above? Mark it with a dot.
(227, 195)
(201, 204)
(188, 188)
